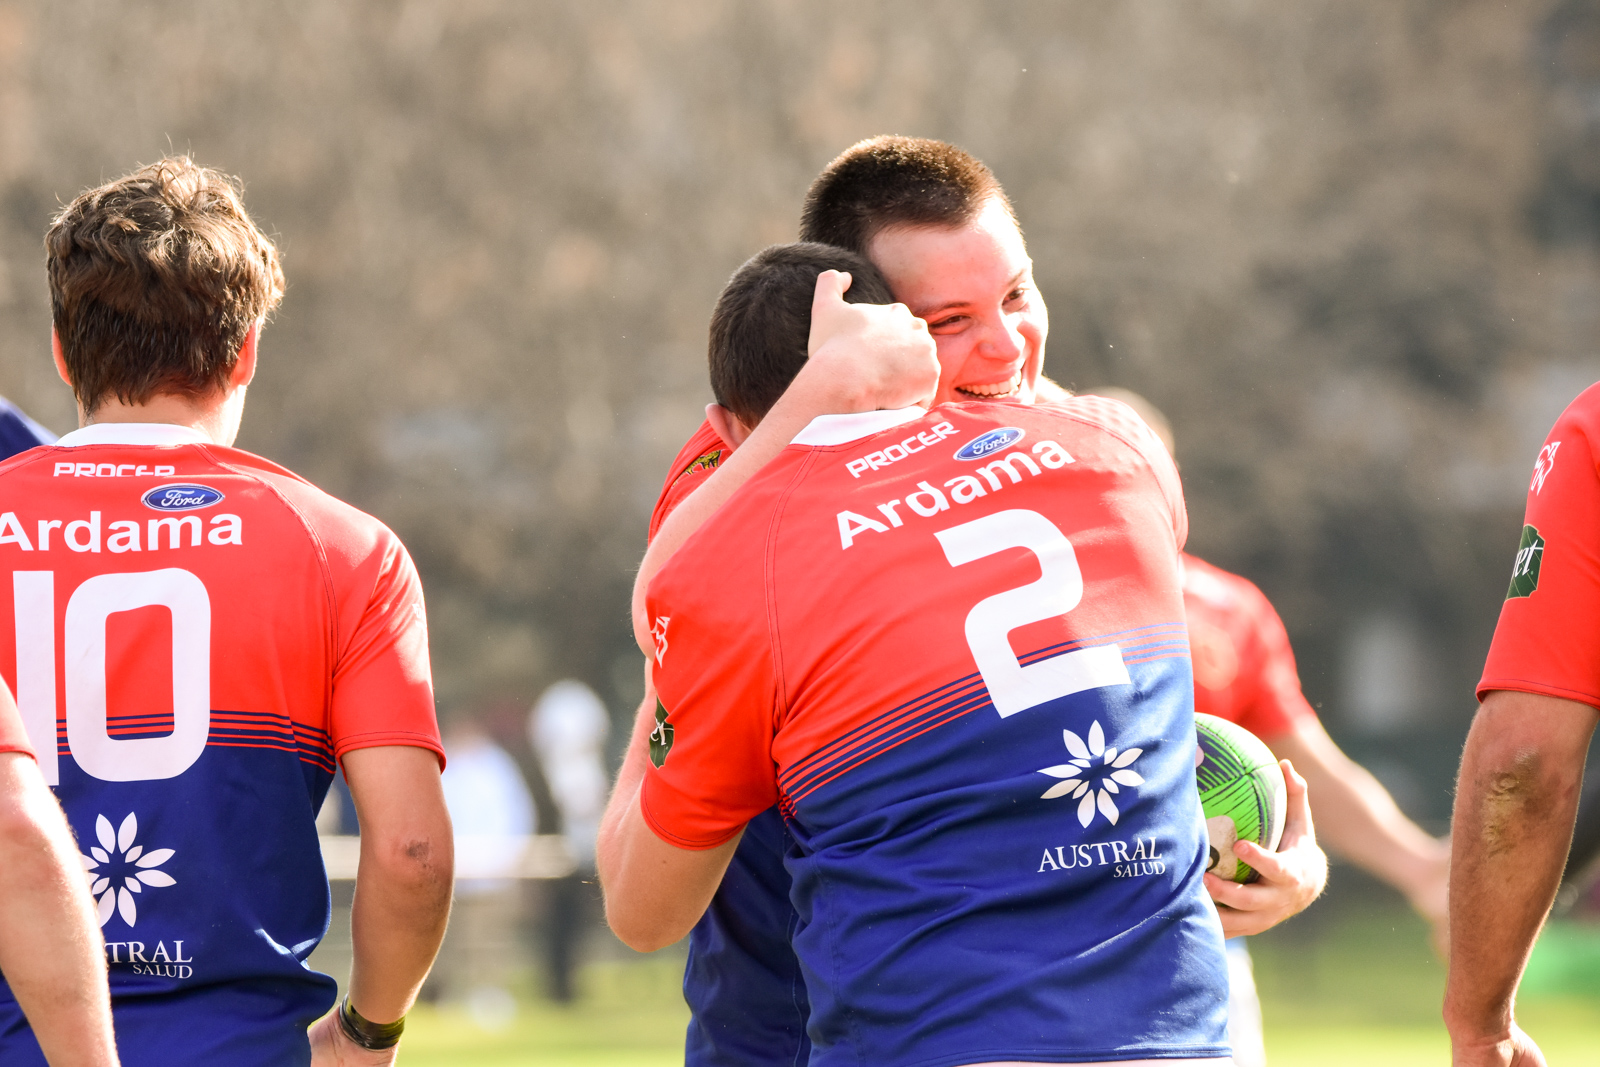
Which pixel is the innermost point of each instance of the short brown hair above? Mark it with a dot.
(895, 181)
(155, 279)
(761, 325)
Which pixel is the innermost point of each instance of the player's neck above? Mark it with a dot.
(217, 416)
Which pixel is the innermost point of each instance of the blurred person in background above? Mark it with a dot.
(1244, 671)
(51, 952)
(1522, 768)
(493, 815)
(937, 223)
(229, 634)
(18, 433)
(568, 728)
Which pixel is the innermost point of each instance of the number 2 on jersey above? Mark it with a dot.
(96, 752)
(1013, 687)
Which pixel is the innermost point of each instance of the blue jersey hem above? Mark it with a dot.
(1110, 1055)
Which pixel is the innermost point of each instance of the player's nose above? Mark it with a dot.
(1003, 342)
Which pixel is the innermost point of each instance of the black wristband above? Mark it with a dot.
(369, 1035)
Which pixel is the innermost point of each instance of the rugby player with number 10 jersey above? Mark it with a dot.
(195, 636)
(960, 669)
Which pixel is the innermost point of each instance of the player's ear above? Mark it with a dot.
(244, 369)
(60, 357)
(727, 425)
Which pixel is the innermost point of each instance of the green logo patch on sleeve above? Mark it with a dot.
(1525, 571)
(660, 737)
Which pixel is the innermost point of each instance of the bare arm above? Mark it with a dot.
(1357, 818)
(863, 357)
(655, 892)
(50, 945)
(1515, 801)
(1291, 878)
(629, 775)
(403, 890)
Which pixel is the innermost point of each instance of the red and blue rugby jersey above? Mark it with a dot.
(194, 636)
(951, 647)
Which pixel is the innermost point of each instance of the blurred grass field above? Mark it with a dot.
(1349, 982)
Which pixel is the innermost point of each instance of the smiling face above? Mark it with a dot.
(974, 286)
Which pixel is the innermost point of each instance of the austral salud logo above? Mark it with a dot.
(118, 867)
(1525, 571)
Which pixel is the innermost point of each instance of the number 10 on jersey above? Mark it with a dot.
(95, 751)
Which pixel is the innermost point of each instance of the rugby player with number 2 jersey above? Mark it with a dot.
(999, 864)
(1522, 767)
(988, 321)
(197, 638)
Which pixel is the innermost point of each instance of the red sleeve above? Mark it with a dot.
(1549, 624)
(711, 762)
(703, 453)
(382, 682)
(13, 737)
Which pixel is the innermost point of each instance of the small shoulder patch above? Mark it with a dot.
(660, 737)
(1525, 571)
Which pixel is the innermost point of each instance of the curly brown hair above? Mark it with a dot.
(155, 279)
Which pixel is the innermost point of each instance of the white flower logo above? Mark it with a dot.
(1078, 775)
(123, 861)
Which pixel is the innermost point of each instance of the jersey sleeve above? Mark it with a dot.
(13, 735)
(1273, 702)
(382, 681)
(703, 453)
(711, 767)
(1549, 624)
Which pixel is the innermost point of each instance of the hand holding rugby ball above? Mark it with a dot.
(1242, 794)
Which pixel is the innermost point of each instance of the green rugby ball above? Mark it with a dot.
(1242, 793)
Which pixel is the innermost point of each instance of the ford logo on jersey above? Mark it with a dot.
(989, 443)
(180, 497)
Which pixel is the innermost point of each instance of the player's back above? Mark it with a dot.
(198, 635)
(993, 864)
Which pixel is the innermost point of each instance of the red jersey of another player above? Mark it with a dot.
(1243, 666)
(195, 636)
(1549, 630)
(701, 454)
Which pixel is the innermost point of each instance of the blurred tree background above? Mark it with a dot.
(1350, 248)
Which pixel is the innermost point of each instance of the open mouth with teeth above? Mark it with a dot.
(993, 390)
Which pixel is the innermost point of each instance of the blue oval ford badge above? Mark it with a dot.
(989, 443)
(180, 497)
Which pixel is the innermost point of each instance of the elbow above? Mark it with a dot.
(638, 931)
(419, 865)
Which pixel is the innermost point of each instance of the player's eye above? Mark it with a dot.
(950, 320)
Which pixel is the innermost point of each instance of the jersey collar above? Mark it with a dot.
(842, 429)
(134, 433)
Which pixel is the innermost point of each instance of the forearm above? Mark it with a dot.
(404, 881)
(1515, 800)
(656, 892)
(51, 950)
(396, 926)
(1357, 818)
(629, 775)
